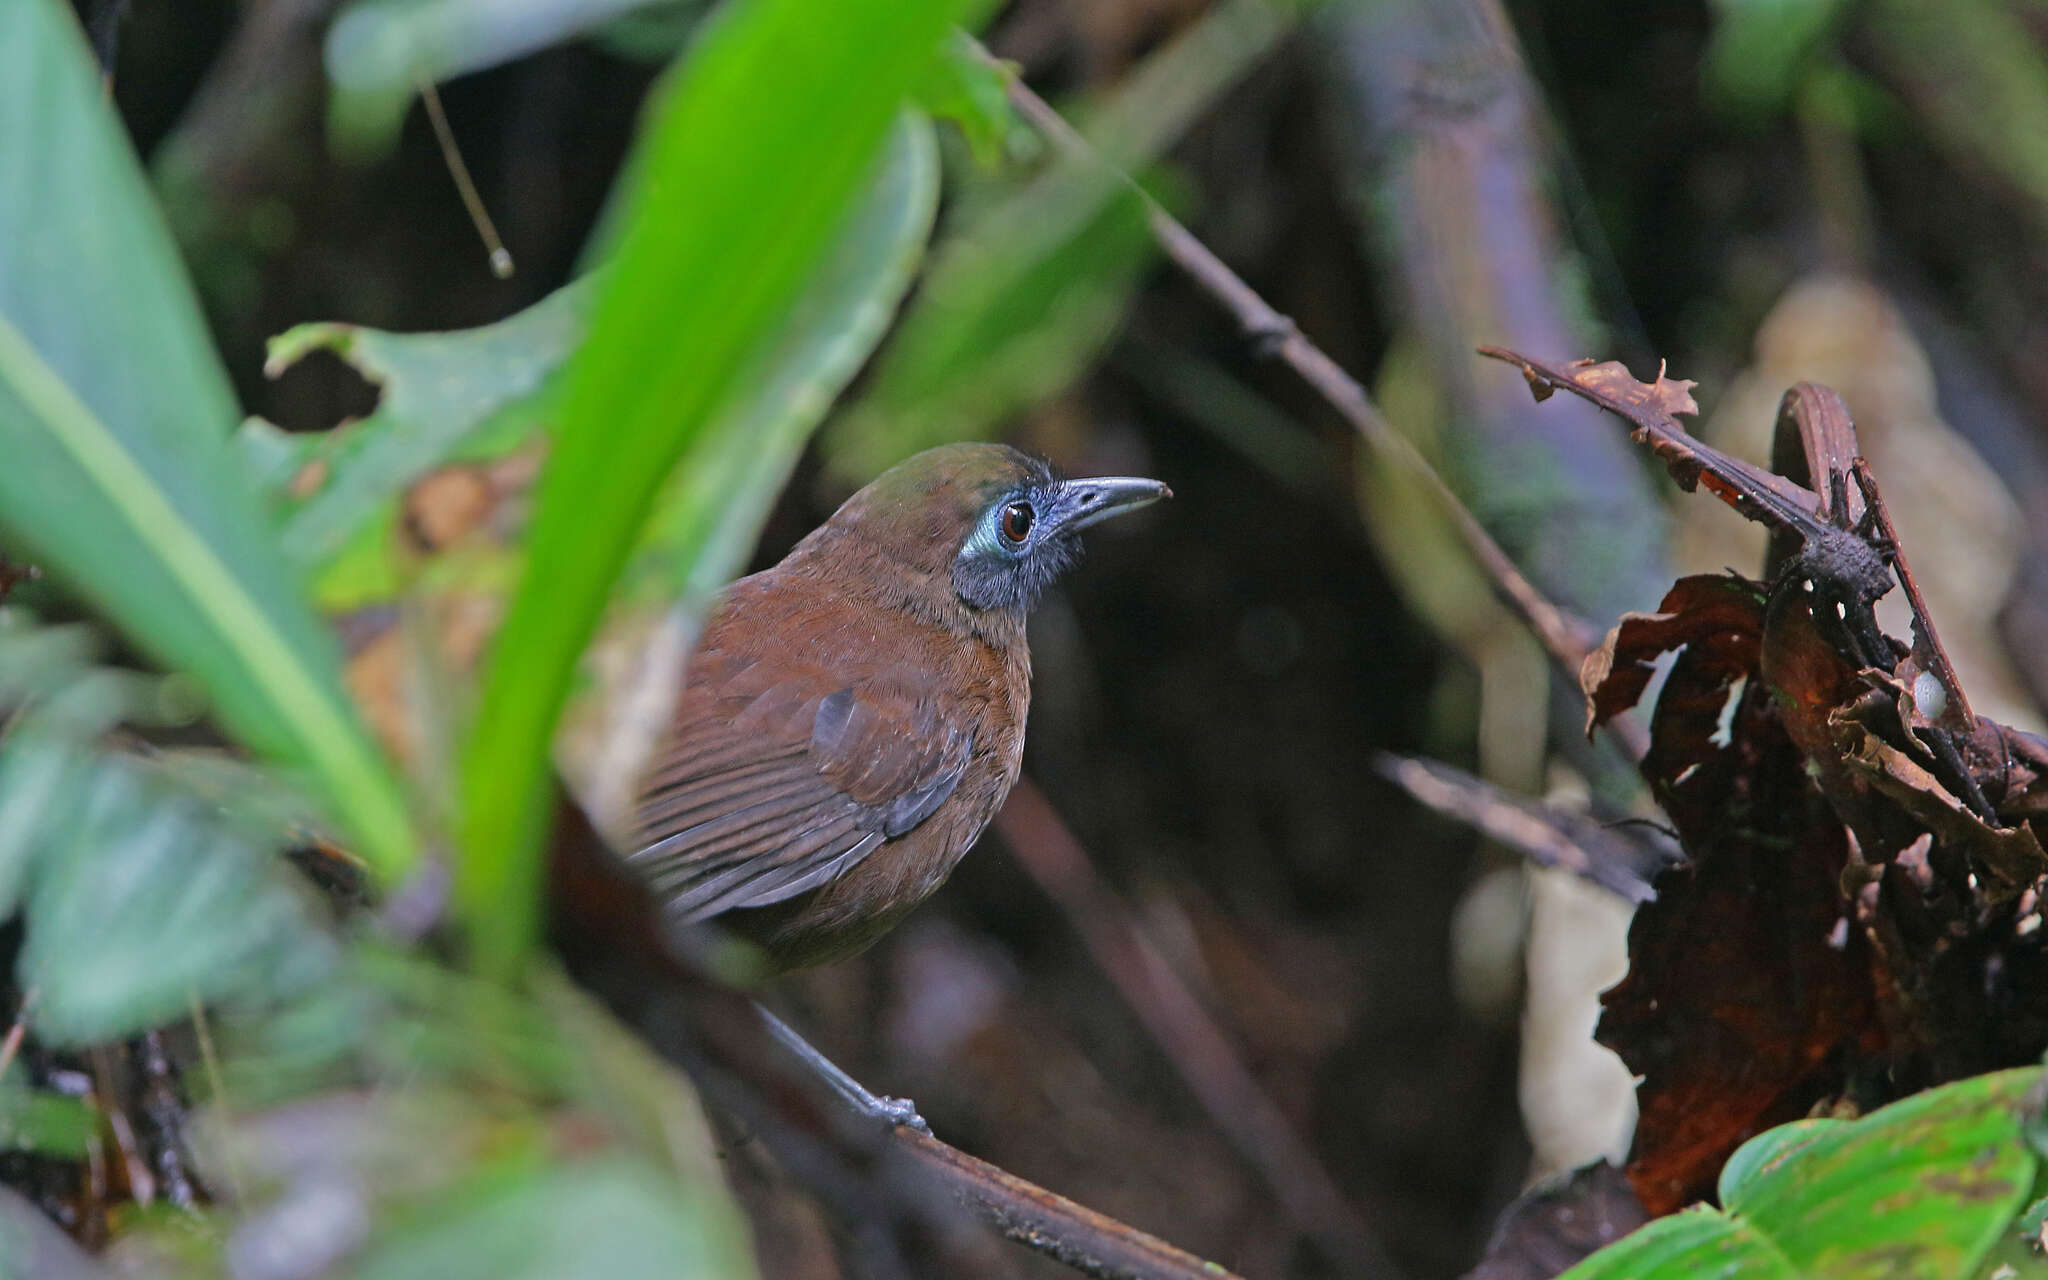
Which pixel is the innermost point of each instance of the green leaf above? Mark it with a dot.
(1009, 313)
(145, 902)
(1920, 1188)
(964, 86)
(51, 1124)
(1761, 50)
(1696, 1242)
(1767, 1151)
(119, 478)
(708, 516)
(1035, 279)
(1976, 79)
(479, 394)
(141, 890)
(748, 161)
(440, 392)
(1923, 1189)
(379, 51)
(613, 1217)
(710, 512)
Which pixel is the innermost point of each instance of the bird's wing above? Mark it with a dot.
(776, 781)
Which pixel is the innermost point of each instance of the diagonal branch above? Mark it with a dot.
(1199, 1050)
(1567, 637)
(1623, 859)
(1092, 1243)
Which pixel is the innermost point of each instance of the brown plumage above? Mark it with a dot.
(853, 717)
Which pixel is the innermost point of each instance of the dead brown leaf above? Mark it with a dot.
(1721, 612)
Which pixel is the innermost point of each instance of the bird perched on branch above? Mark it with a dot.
(854, 716)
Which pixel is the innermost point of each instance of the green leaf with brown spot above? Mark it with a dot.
(1920, 1188)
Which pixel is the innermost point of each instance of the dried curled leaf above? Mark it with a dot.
(2007, 860)
(1720, 613)
(1860, 907)
(1611, 378)
(1748, 997)
(1649, 407)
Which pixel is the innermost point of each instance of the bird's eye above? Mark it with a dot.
(1015, 521)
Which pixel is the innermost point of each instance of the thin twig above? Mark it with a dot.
(790, 1103)
(216, 1083)
(11, 1047)
(105, 31)
(1956, 714)
(134, 1167)
(501, 258)
(1567, 637)
(1623, 860)
(1199, 1050)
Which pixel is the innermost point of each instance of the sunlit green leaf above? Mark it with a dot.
(723, 226)
(971, 91)
(709, 514)
(119, 478)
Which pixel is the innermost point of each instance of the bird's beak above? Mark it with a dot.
(1084, 502)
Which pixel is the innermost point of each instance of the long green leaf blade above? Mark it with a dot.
(709, 513)
(116, 416)
(749, 161)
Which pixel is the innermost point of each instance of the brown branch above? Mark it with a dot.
(1190, 1039)
(11, 1046)
(1648, 407)
(1567, 637)
(1956, 715)
(1087, 1241)
(610, 933)
(1622, 859)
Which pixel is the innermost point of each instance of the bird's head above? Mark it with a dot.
(998, 525)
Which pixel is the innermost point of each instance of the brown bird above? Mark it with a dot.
(853, 717)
